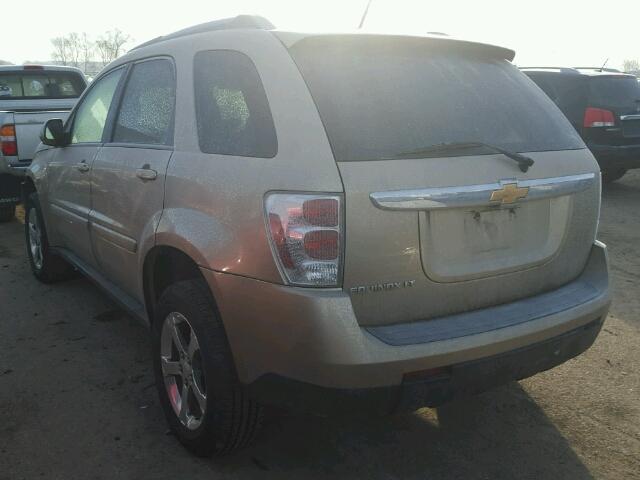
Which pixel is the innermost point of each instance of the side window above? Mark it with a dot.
(232, 110)
(91, 116)
(146, 112)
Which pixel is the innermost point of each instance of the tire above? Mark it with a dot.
(230, 419)
(609, 176)
(45, 265)
(7, 213)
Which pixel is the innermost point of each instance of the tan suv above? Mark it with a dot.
(333, 222)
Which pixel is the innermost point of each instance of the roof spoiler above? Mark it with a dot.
(241, 21)
(290, 39)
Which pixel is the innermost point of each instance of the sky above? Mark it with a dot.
(543, 32)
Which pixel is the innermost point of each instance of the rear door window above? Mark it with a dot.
(380, 97)
(232, 110)
(146, 111)
(48, 85)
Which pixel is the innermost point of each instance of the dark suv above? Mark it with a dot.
(604, 107)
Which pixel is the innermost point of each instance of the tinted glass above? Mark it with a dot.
(91, 116)
(40, 85)
(232, 110)
(570, 92)
(379, 98)
(614, 91)
(146, 112)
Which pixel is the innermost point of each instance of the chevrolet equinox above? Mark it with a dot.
(339, 222)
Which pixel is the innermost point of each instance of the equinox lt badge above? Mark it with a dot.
(381, 287)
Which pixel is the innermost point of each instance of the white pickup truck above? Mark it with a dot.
(29, 96)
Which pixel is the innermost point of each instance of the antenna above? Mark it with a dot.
(604, 64)
(364, 15)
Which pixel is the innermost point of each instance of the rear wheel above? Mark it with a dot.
(612, 175)
(7, 213)
(45, 265)
(205, 405)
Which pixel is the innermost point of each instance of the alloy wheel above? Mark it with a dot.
(35, 238)
(182, 370)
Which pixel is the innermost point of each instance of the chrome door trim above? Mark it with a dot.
(479, 195)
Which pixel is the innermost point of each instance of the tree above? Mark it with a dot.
(60, 50)
(631, 65)
(79, 51)
(87, 50)
(110, 45)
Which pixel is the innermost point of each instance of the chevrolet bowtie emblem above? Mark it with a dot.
(509, 193)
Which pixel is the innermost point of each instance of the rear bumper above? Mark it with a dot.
(9, 189)
(286, 338)
(616, 156)
(415, 391)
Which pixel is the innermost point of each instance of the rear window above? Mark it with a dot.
(614, 91)
(28, 85)
(380, 97)
(570, 92)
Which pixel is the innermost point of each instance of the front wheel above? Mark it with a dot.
(205, 405)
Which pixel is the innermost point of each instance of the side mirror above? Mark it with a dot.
(52, 133)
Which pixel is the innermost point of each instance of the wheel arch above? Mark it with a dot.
(164, 265)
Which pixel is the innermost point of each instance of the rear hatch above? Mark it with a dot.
(619, 94)
(432, 228)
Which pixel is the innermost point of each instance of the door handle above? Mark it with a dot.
(83, 166)
(146, 173)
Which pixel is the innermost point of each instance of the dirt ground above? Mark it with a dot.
(77, 399)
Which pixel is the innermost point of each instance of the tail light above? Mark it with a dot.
(597, 117)
(305, 231)
(8, 144)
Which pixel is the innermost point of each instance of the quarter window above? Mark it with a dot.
(146, 112)
(232, 110)
(91, 116)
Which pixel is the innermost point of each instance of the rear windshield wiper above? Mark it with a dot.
(523, 161)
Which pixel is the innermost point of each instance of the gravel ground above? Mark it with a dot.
(77, 399)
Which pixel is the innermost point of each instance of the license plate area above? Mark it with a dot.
(631, 128)
(471, 243)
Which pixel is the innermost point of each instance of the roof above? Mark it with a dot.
(255, 22)
(586, 71)
(39, 68)
(241, 21)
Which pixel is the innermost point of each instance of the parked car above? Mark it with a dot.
(328, 222)
(603, 105)
(29, 96)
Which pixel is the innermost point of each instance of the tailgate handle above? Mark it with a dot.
(83, 166)
(504, 192)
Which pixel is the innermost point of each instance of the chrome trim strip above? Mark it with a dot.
(630, 117)
(479, 195)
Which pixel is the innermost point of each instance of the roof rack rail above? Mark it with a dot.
(241, 21)
(562, 69)
(600, 69)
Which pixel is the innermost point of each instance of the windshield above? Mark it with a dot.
(614, 91)
(381, 96)
(30, 85)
